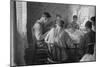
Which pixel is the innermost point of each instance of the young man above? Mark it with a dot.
(39, 27)
(74, 24)
(38, 31)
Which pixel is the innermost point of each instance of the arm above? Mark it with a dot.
(68, 40)
(37, 31)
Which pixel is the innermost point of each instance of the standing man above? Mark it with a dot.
(39, 27)
(38, 31)
(74, 24)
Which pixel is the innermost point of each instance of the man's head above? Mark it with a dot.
(75, 18)
(45, 17)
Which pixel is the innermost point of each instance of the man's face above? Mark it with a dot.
(43, 19)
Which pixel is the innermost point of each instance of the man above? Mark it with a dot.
(74, 24)
(38, 31)
(38, 27)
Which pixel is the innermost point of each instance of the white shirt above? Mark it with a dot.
(37, 30)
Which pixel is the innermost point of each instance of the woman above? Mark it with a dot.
(58, 41)
(88, 43)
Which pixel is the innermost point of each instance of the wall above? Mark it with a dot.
(84, 12)
(35, 10)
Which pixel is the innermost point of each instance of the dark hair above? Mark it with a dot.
(47, 14)
(93, 19)
(75, 16)
(88, 24)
